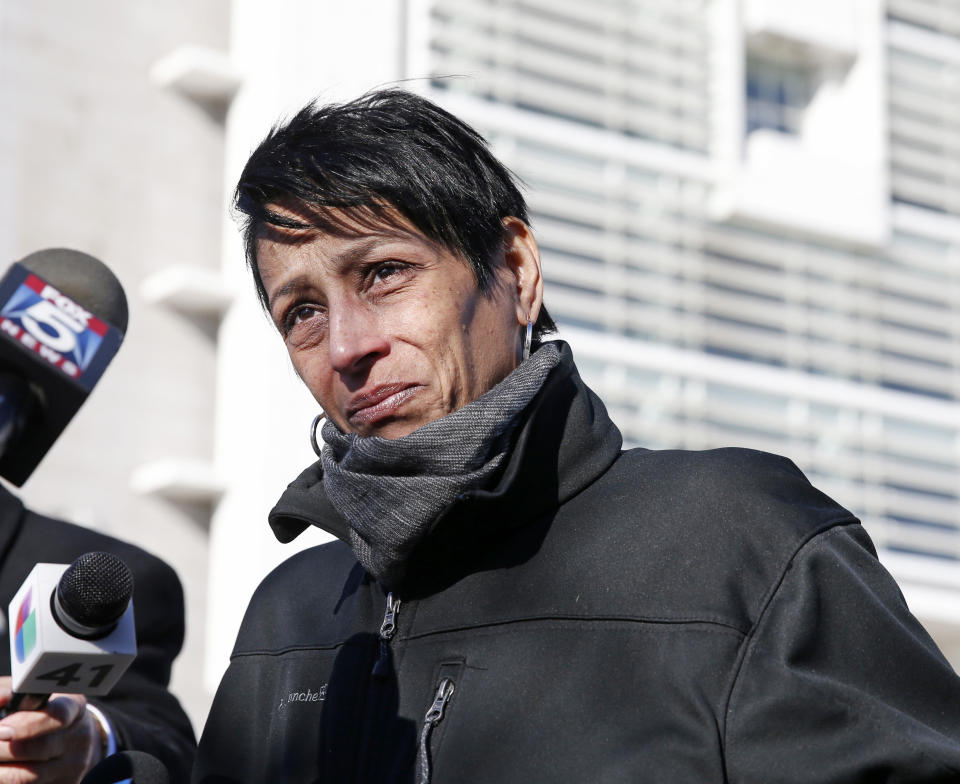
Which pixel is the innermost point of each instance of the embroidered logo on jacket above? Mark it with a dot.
(304, 696)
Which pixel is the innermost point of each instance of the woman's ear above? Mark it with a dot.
(522, 259)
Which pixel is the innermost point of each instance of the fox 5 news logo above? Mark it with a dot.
(52, 325)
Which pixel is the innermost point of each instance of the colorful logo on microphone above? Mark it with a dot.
(53, 325)
(25, 631)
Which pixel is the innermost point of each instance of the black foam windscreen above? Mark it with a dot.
(85, 279)
(138, 766)
(94, 592)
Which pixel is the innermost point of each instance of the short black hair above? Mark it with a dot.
(389, 151)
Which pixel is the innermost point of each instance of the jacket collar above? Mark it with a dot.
(566, 442)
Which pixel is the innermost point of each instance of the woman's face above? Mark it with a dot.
(389, 330)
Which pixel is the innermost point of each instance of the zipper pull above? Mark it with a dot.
(389, 625)
(387, 629)
(444, 693)
(430, 720)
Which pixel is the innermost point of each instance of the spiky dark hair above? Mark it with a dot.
(388, 152)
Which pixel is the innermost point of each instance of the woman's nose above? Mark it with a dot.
(355, 338)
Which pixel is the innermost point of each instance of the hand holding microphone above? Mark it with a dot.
(71, 635)
(63, 315)
(55, 745)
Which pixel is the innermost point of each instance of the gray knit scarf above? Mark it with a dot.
(390, 491)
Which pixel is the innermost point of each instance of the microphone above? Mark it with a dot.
(63, 315)
(135, 766)
(73, 629)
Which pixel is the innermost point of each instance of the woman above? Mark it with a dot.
(512, 597)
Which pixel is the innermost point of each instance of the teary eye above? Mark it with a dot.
(387, 269)
(297, 315)
(302, 313)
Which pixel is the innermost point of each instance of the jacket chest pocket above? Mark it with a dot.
(442, 701)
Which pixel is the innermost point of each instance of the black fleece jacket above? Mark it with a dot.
(597, 616)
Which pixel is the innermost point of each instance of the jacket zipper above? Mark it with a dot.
(381, 667)
(370, 744)
(430, 720)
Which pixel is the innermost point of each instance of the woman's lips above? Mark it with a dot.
(381, 402)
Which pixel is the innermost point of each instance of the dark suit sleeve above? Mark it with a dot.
(144, 715)
(839, 682)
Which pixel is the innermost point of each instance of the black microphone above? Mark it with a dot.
(138, 766)
(63, 315)
(73, 629)
(92, 595)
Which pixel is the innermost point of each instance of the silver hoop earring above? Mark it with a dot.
(313, 432)
(528, 340)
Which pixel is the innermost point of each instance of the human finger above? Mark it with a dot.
(60, 712)
(60, 757)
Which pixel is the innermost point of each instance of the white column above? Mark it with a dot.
(287, 53)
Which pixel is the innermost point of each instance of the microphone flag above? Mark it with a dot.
(45, 657)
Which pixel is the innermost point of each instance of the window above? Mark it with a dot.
(777, 94)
